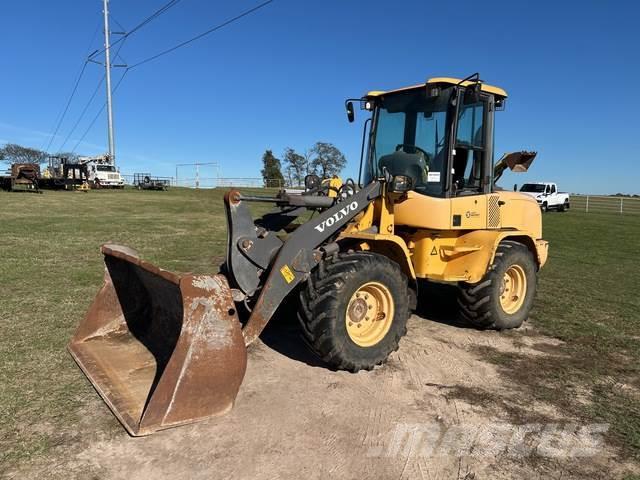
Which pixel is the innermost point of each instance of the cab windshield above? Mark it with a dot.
(410, 138)
(106, 168)
(532, 188)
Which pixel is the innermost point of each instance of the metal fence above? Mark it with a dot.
(226, 182)
(605, 204)
(216, 182)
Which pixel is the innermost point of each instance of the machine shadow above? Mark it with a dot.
(436, 302)
(284, 335)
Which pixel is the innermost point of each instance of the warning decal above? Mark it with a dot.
(287, 273)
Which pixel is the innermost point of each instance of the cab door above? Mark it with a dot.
(471, 161)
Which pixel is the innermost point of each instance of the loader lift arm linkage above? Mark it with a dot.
(252, 251)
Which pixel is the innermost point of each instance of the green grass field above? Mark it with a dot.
(50, 269)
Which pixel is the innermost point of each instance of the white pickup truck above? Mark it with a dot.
(547, 196)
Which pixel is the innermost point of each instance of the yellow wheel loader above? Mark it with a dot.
(164, 349)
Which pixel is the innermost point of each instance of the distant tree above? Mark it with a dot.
(296, 166)
(14, 153)
(308, 156)
(327, 160)
(69, 156)
(271, 169)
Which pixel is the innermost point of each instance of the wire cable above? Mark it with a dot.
(73, 91)
(203, 34)
(98, 114)
(165, 52)
(86, 107)
(144, 22)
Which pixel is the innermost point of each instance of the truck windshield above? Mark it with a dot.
(411, 134)
(532, 187)
(106, 168)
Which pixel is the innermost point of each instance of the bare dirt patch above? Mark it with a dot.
(296, 419)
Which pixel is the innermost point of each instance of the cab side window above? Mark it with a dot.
(469, 149)
(553, 189)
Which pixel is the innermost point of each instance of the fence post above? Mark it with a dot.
(587, 206)
(621, 198)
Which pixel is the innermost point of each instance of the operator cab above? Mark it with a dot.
(439, 134)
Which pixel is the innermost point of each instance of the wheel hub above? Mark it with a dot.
(369, 314)
(357, 309)
(513, 289)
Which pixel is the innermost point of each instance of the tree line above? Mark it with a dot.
(14, 153)
(323, 159)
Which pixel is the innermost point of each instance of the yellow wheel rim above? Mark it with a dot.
(369, 314)
(513, 289)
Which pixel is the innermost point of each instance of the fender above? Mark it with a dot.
(467, 257)
(391, 246)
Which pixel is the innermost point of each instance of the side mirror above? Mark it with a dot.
(350, 114)
(401, 184)
(515, 187)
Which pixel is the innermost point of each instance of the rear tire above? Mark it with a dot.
(504, 296)
(354, 310)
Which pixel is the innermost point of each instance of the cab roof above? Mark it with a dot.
(497, 91)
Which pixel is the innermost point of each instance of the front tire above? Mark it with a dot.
(354, 310)
(504, 296)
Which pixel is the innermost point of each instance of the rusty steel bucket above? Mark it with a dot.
(162, 349)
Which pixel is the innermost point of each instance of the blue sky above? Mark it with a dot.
(279, 78)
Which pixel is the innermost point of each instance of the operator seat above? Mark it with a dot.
(408, 164)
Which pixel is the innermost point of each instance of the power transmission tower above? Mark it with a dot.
(107, 66)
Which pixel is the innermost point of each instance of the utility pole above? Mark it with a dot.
(107, 66)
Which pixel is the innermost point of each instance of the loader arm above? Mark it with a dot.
(291, 261)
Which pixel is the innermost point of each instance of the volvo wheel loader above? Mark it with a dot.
(165, 349)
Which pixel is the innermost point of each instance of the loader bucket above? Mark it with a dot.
(162, 349)
(520, 161)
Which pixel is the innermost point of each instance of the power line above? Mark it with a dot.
(165, 52)
(98, 114)
(140, 25)
(86, 107)
(203, 34)
(84, 110)
(73, 91)
(144, 22)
